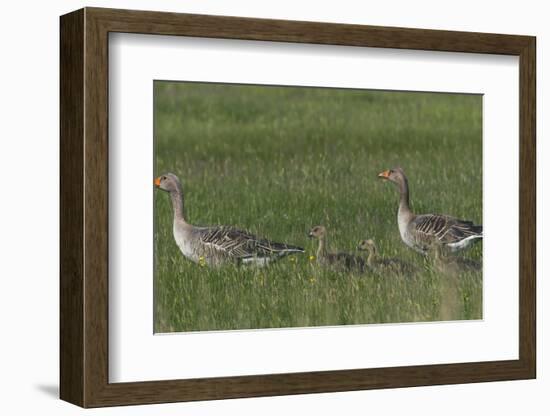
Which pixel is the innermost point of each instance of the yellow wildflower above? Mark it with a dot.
(311, 258)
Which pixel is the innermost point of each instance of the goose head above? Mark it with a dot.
(366, 245)
(395, 175)
(318, 232)
(168, 182)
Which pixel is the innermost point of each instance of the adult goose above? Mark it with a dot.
(338, 260)
(384, 265)
(218, 245)
(420, 232)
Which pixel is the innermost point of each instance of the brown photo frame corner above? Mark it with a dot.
(84, 207)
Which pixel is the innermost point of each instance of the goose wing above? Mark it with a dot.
(430, 228)
(231, 242)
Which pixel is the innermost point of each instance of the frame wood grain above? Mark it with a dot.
(84, 207)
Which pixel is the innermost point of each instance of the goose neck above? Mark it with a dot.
(177, 204)
(404, 207)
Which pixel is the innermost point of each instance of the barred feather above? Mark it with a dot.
(238, 244)
(217, 245)
(443, 229)
(420, 232)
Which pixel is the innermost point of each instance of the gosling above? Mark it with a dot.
(448, 264)
(335, 260)
(385, 265)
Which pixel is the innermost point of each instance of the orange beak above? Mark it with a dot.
(157, 182)
(384, 175)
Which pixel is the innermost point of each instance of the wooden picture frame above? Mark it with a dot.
(84, 207)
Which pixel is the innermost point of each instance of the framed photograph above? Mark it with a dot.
(255, 207)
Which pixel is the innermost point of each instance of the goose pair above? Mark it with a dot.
(218, 245)
(420, 232)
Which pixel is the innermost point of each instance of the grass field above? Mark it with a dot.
(277, 161)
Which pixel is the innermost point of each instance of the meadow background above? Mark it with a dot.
(277, 161)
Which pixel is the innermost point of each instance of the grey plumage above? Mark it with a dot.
(217, 245)
(444, 229)
(240, 245)
(420, 232)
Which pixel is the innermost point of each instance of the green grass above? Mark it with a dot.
(277, 161)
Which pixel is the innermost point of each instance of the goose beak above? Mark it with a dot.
(157, 182)
(384, 175)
